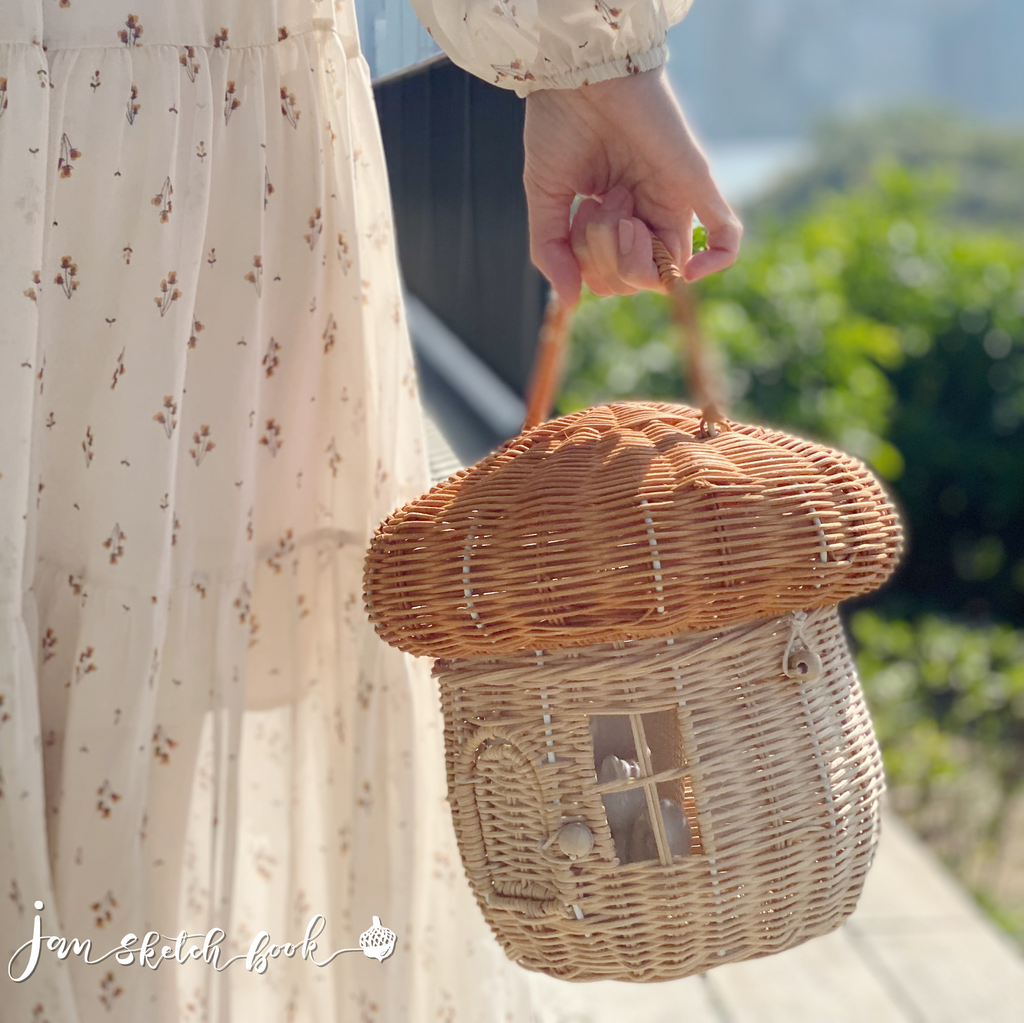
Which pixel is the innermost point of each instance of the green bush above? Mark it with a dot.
(942, 694)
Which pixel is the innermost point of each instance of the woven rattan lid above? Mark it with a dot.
(622, 522)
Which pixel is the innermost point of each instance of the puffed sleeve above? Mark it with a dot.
(551, 44)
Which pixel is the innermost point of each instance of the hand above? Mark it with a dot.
(625, 143)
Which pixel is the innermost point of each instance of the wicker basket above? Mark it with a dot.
(659, 758)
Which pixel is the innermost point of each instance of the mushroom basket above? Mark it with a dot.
(659, 758)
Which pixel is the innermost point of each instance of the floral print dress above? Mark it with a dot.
(207, 404)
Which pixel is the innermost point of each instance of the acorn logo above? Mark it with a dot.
(378, 942)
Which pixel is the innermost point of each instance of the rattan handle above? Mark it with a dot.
(705, 387)
(546, 375)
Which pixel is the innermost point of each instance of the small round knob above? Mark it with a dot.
(804, 664)
(575, 840)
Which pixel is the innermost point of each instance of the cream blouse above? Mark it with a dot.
(551, 44)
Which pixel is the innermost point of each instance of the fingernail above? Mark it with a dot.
(627, 235)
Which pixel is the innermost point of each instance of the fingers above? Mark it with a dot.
(550, 248)
(609, 249)
(612, 247)
(724, 235)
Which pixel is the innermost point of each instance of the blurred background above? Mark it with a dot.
(875, 152)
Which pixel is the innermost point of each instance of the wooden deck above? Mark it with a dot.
(917, 950)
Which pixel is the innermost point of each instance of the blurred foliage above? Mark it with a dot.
(932, 685)
(947, 702)
(984, 164)
(868, 321)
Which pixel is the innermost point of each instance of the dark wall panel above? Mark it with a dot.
(454, 146)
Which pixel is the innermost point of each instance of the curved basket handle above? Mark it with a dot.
(546, 375)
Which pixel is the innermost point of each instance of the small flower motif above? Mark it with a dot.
(609, 13)
(77, 584)
(264, 864)
(201, 151)
(255, 275)
(67, 154)
(333, 457)
(115, 544)
(162, 200)
(288, 107)
(162, 745)
(95, 83)
(36, 280)
(379, 233)
(343, 258)
(3, 96)
(133, 107)
(175, 529)
(118, 370)
(126, 253)
(103, 915)
(154, 671)
(106, 797)
(506, 10)
(168, 293)
(132, 31)
(285, 546)
(231, 102)
(514, 71)
(315, 228)
(110, 990)
(282, 34)
(203, 444)
(242, 603)
(85, 664)
(365, 798)
(87, 446)
(15, 896)
(271, 438)
(48, 643)
(270, 359)
(220, 40)
(66, 277)
(328, 336)
(268, 188)
(188, 61)
(197, 328)
(166, 417)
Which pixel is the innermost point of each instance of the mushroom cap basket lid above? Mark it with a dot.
(626, 521)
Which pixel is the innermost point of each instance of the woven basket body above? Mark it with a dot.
(618, 577)
(779, 777)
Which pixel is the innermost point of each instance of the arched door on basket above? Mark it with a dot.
(502, 822)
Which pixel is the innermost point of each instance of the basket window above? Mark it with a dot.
(641, 777)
